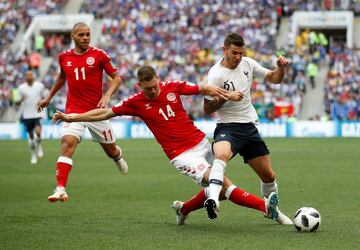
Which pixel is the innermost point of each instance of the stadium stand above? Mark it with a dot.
(183, 39)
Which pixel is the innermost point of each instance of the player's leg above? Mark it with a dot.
(182, 209)
(226, 144)
(29, 126)
(256, 153)
(242, 197)
(263, 168)
(70, 137)
(193, 163)
(39, 150)
(230, 192)
(102, 132)
(222, 153)
(115, 153)
(257, 156)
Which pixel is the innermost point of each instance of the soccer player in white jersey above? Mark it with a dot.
(236, 131)
(31, 92)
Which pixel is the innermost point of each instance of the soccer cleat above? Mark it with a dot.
(122, 166)
(121, 163)
(283, 219)
(39, 151)
(212, 208)
(180, 218)
(33, 158)
(272, 212)
(59, 195)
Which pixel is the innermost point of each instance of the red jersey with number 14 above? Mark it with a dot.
(165, 116)
(84, 78)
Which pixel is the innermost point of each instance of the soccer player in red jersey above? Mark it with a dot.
(82, 68)
(160, 107)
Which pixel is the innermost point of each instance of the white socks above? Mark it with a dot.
(31, 144)
(268, 188)
(216, 178)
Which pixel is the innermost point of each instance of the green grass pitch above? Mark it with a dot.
(107, 210)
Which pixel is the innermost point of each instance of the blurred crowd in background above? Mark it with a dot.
(183, 39)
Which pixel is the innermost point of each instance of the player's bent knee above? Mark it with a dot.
(268, 176)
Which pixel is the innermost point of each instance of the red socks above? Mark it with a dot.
(194, 203)
(243, 198)
(63, 167)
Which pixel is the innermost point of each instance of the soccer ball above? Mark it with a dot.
(307, 219)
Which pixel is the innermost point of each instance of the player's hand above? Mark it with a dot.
(215, 91)
(43, 104)
(282, 62)
(235, 96)
(103, 102)
(59, 116)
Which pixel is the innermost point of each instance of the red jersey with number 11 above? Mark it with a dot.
(84, 78)
(165, 116)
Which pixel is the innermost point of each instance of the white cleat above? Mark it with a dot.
(273, 212)
(39, 151)
(283, 219)
(180, 218)
(212, 208)
(121, 164)
(58, 195)
(33, 158)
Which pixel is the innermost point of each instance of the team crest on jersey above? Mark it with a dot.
(148, 106)
(171, 97)
(90, 60)
(68, 64)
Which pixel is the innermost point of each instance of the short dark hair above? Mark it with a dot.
(79, 24)
(235, 39)
(146, 73)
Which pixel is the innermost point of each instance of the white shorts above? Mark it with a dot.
(195, 161)
(101, 131)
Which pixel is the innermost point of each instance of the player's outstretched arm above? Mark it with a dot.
(60, 81)
(277, 75)
(214, 91)
(114, 85)
(90, 116)
(211, 106)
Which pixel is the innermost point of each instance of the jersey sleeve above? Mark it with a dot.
(188, 88)
(125, 107)
(106, 63)
(212, 79)
(43, 91)
(258, 70)
(21, 91)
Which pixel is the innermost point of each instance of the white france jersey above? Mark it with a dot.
(33, 95)
(239, 79)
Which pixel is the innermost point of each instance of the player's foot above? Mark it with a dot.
(271, 202)
(212, 208)
(39, 151)
(121, 163)
(33, 158)
(283, 219)
(273, 211)
(180, 218)
(59, 195)
(122, 166)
